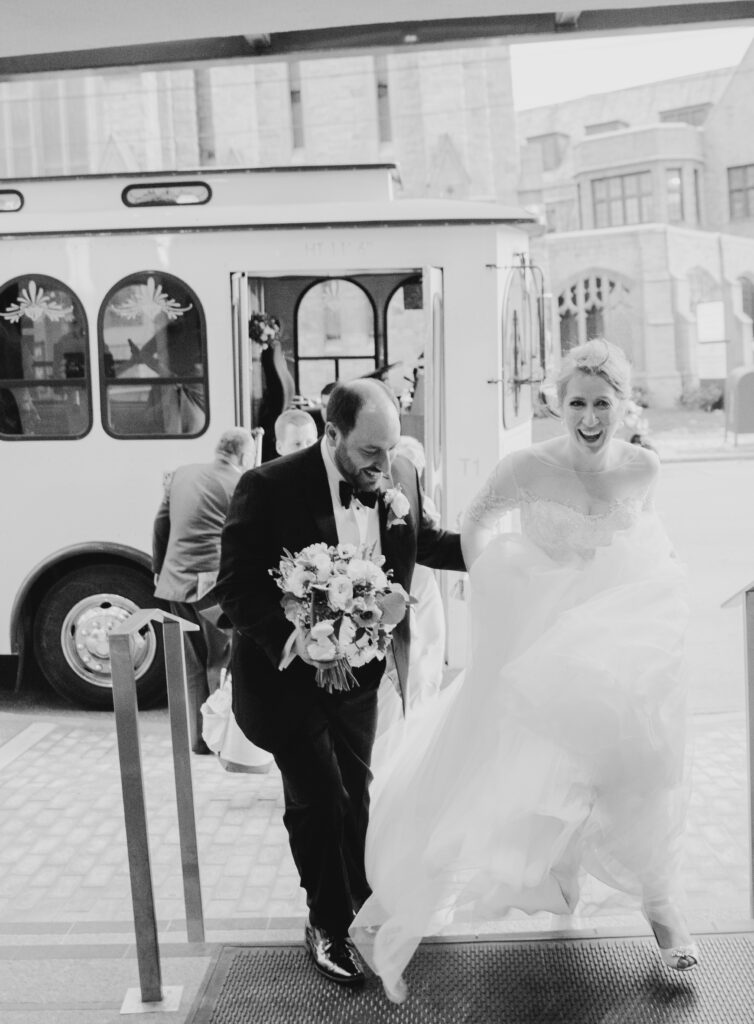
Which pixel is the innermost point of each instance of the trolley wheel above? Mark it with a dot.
(71, 629)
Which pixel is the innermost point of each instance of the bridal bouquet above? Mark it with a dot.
(347, 603)
(263, 328)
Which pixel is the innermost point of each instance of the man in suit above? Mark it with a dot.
(322, 742)
(186, 557)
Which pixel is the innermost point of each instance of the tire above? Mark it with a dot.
(71, 627)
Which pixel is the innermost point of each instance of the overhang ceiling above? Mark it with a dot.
(43, 35)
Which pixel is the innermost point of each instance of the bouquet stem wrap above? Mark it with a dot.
(337, 676)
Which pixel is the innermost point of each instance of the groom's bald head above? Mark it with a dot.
(347, 400)
(363, 427)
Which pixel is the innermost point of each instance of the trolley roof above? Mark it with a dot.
(231, 199)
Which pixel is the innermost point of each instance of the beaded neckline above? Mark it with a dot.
(548, 461)
(617, 504)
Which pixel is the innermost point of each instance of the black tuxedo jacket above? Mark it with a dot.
(286, 503)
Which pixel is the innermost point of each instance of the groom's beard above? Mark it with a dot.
(365, 478)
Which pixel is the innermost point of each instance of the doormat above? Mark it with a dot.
(570, 981)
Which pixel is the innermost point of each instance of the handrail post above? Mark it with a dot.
(749, 660)
(175, 670)
(132, 784)
(134, 807)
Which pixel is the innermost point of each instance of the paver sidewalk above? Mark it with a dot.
(63, 861)
(67, 953)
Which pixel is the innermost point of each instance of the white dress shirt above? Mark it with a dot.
(357, 524)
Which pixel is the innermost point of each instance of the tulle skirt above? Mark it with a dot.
(559, 752)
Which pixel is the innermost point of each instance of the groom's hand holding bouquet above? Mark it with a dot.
(344, 606)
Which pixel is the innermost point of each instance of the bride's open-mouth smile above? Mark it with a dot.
(591, 437)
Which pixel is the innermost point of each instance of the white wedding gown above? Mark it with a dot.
(562, 749)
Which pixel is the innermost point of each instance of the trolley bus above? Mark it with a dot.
(125, 351)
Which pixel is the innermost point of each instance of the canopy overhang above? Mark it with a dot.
(39, 35)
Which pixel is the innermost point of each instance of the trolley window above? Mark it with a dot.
(184, 193)
(10, 200)
(153, 358)
(44, 361)
(335, 335)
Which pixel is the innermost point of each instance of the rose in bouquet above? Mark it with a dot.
(345, 602)
(263, 328)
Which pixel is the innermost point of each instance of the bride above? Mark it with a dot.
(561, 752)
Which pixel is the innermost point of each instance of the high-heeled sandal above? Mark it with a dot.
(680, 958)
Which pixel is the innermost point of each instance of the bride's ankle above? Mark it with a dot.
(667, 923)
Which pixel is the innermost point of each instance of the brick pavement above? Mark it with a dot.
(64, 871)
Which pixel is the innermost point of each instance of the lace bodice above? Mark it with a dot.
(562, 531)
(564, 513)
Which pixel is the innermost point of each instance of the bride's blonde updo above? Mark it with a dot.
(597, 358)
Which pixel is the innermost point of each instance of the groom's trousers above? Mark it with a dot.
(326, 776)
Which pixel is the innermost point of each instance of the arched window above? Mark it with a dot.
(153, 358)
(598, 304)
(406, 323)
(335, 335)
(44, 361)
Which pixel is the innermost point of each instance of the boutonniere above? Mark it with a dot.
(397, 505)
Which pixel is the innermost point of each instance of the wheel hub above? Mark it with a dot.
(85, 632)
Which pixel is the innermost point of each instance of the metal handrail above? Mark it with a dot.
(746, 596)
(132, 784)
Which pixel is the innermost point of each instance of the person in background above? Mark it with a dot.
(186, 558)
(320, 415)
(294, 430)
(636, 425)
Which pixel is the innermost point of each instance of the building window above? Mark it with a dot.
(741, 192)
(695, 115)
(43, 127)
(153, 358)
(624, 199)
(44, 361)
(597, 305)
(747, 300)
(335, 335)
(674, 185)
(384, 124)
(697, 197)
(605, 126)
(552, 147)
(297, 112)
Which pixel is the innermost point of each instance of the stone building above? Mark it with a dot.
(444, 116)
(646, 197)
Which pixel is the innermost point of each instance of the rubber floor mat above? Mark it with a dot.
(571, 981)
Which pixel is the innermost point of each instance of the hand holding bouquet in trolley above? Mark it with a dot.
(344, 606)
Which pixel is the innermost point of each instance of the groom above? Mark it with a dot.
(334, 492)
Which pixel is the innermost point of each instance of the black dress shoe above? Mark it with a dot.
(333, 956)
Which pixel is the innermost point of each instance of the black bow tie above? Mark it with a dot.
(347, 493)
